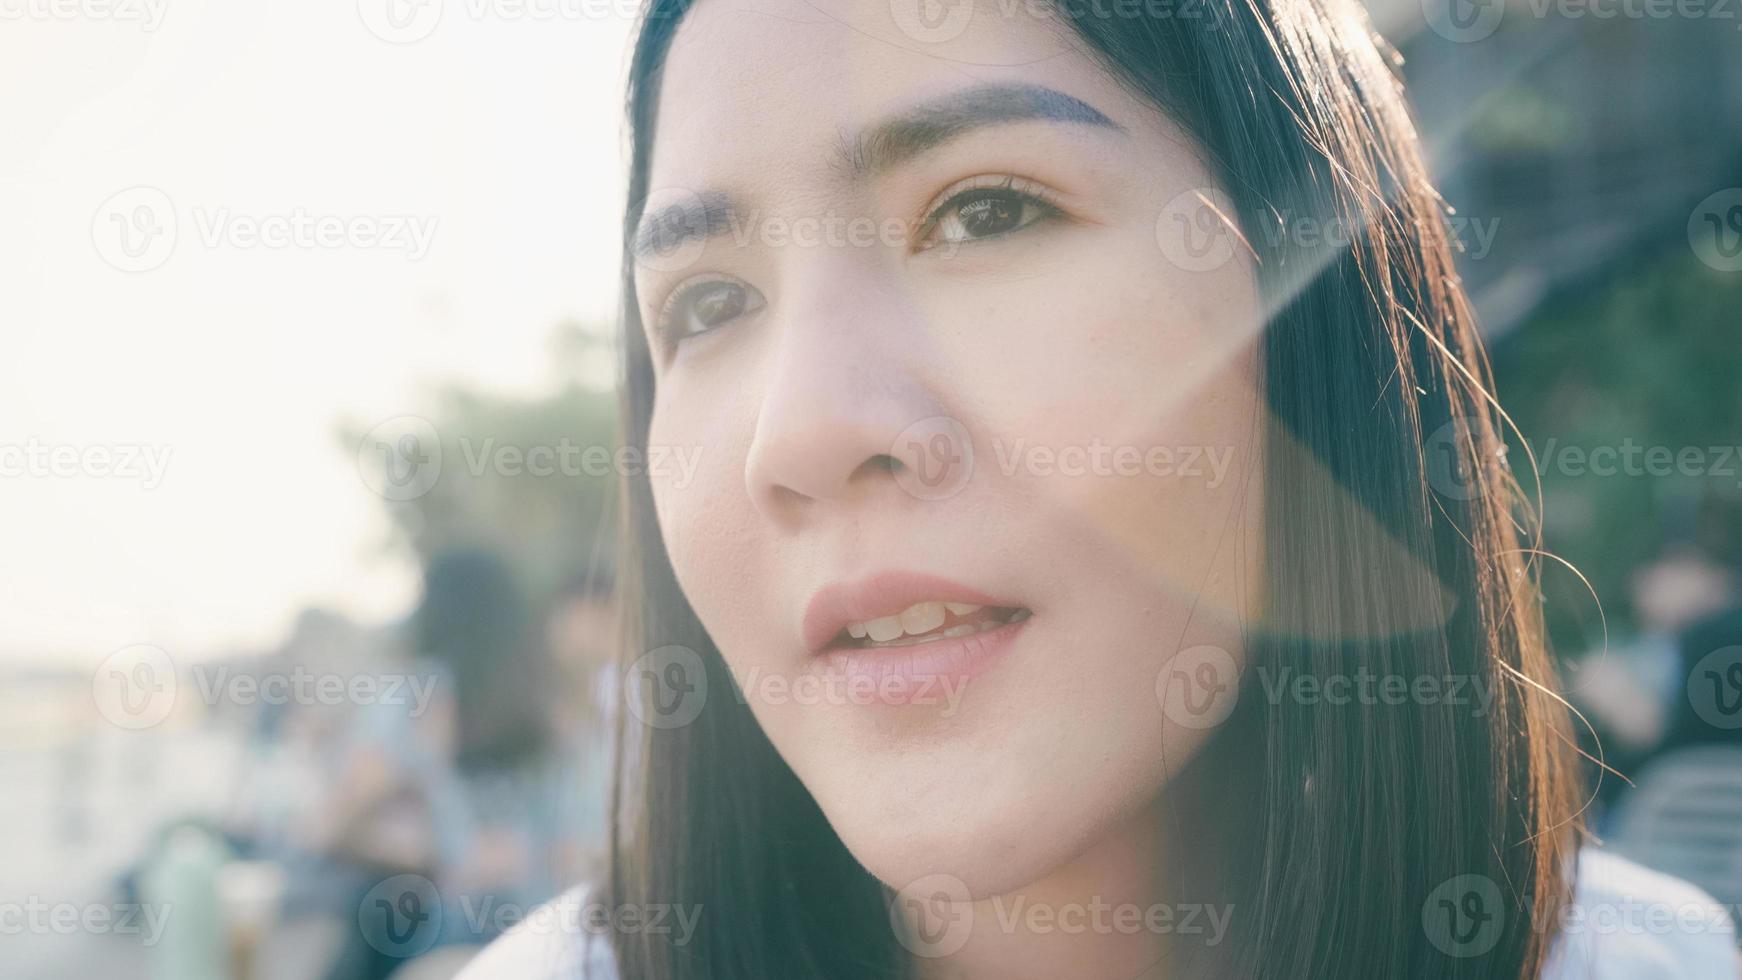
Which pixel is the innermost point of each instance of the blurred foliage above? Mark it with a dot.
(1652, 356)
(552, 526)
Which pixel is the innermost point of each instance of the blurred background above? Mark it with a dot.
(306, 432)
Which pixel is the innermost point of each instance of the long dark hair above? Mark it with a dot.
(1393, 544)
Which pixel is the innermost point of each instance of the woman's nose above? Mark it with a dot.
(849, 385)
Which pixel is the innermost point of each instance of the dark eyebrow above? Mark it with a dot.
(934, 122)
(696, 218)
(887, 144)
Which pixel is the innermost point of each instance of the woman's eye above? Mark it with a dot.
(700, 307)
(981, 213)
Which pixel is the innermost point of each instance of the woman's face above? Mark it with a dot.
(975, 513)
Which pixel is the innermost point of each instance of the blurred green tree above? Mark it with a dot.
(1648, 357)
(531, 477)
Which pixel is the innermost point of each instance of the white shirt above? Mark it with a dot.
(1626, 923)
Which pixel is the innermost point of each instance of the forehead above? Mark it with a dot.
(765, 89)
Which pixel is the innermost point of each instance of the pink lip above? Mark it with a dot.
(924, 673)
(883, 594)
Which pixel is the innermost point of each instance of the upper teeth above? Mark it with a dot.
(921, 617)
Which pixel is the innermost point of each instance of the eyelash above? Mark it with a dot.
(1024, 193)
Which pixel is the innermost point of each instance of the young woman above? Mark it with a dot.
(1098, 559)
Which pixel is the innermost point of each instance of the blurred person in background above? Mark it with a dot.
(1710, 668)
(477, 793)
(1634, 693)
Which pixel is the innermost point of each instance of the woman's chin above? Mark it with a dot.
(979, 863)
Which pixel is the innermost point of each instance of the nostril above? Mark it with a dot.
(883, 463)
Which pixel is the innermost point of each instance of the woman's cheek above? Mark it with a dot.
(706, 519)
(1113, 349)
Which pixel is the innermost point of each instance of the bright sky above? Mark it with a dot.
(495, 135)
